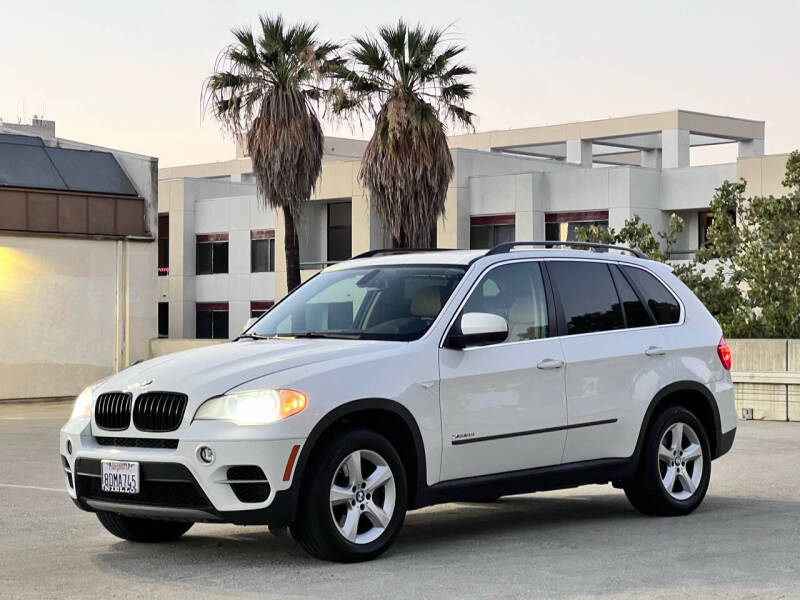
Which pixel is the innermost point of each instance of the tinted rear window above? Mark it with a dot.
(662, 303)
(587, 295)
(635, 312)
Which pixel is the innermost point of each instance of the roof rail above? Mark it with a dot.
(390, 251)
(509, 246)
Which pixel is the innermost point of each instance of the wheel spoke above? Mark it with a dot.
(350, 526)
(376, 515)
(669, 479)
(664, 453)
(378, 477)
(353, 465)
(340, 495)
(692, 452)
(677, 436)
(686, 482)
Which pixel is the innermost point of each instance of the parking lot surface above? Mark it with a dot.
(743, 542)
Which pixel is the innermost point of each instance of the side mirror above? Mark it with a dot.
(249, 323)
(477, 329)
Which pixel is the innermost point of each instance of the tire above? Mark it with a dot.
(329, 510)
(671, 479)
(142, 530)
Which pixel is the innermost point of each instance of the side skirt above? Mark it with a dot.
(526, 481)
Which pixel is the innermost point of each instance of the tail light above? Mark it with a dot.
(724, 352)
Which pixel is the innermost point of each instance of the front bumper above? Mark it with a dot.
(176, 485)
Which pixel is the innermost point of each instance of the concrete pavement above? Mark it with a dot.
(743, 542)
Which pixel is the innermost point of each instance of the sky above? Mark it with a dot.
(129, 75)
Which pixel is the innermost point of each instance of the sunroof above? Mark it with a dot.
(28, 163)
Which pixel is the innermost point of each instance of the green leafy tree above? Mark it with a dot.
(406, 79)
(266, 89)
(756, 242)
(635, 234)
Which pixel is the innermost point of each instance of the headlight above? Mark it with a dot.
(83, 404)
(252, 407)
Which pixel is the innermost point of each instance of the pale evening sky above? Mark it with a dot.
(128, 74)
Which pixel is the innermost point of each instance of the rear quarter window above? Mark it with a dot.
(662, 303)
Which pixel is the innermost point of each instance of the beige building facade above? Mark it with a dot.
(524, 184)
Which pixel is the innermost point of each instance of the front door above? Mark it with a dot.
(504, 405)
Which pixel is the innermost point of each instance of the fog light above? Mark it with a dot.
(69, 447)
(206, 454)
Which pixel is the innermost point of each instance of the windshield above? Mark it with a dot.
(375, 303)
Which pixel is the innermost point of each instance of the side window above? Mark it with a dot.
(516, 293)
(587, 294)
(635, 312)
(662, 303)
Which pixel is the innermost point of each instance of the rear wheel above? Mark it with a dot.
(675, 466)
(142, 530)
(354, 501)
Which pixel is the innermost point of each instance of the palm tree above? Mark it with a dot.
(265, 90)
(406, 80)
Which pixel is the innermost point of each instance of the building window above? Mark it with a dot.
(562, 227)
(262, 251)
(706, 219)
(340, 231)
(487, 231)
(211, 320)
(163, 244)
(163, 319)
(212, 253)
(258, 307)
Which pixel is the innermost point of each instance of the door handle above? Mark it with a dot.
(655, 351)
(549, 363)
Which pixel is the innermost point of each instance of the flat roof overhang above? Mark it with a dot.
(616, 137)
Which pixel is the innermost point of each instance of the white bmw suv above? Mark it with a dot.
(402, 379)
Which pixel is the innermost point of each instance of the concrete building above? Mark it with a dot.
(38, 126)
(526, 184)
(78, 285)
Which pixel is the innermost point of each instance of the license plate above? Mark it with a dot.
(120, 477)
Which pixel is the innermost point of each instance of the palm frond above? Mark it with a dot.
(405, 78)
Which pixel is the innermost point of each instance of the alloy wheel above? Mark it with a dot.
(680, 461)
(362, 496)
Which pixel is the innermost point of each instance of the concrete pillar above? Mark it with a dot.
(675, 148)
(651, 158)
(579, 152)
(751, 148)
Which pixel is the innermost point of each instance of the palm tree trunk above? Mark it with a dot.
(400, 242)
(292, 248)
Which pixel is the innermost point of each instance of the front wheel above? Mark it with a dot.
(354, 500)
(142, 530)
(675, 466)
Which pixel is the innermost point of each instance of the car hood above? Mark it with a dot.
(206, 372)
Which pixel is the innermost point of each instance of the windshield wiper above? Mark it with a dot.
(254, 336)
(322, 334)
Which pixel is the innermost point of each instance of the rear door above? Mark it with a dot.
(616, 358)
(503, 405)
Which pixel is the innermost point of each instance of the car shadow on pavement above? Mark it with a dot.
(540, 527)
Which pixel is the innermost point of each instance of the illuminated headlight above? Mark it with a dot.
(252, 407)
(83, 404)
